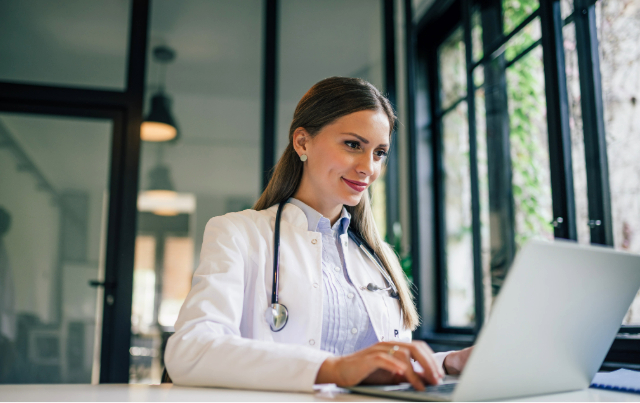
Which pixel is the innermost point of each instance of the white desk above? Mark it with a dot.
(171, 393)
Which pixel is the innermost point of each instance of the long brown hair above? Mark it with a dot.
(325, 102)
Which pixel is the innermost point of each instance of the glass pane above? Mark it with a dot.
(618, 29)
(65, 43)
(53, 192)
(457, 191)
(566, 8)
(523, 39)
(483, 184)
(176, 282)
(320, 39)
(213, 167)
(577, 134)
(452, 68)
(529, 148)
(516, 11)
(478, 76)
(476, 35)
(379, 203)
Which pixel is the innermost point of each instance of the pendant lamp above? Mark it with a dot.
(159, 125)
(160, 186)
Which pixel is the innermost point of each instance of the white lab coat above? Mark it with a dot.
(222, 338)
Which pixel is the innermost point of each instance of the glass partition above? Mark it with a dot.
(73, 43)
(54, 175)
(212, 86)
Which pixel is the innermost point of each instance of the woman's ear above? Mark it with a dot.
(300, 141)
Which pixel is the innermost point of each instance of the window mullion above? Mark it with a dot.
(593, 122)
(501, 205)
(478, 284)
(564, 215)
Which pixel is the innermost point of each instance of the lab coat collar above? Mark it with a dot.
(314, 217)
(291, 214)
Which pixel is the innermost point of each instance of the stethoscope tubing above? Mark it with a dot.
(276, 255)
(352, 234)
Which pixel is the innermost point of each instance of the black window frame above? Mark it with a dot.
(423, 39)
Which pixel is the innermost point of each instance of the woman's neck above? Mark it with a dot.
(328, 209)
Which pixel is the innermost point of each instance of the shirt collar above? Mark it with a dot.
(314, 217)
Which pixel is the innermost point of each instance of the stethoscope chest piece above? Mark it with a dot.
(276, 316)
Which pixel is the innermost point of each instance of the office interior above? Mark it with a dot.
(518, 120)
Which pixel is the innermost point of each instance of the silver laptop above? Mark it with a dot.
(550, 327)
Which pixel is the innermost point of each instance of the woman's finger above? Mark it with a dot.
(404, 354)
(429, 353)
(432, 373)
(387, 362)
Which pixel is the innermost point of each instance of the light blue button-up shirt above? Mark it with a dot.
(346, 327)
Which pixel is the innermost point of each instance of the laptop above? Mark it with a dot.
(550, 328)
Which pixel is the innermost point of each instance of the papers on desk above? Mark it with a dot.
(622, 380)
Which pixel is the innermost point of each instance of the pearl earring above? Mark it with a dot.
(303, 157)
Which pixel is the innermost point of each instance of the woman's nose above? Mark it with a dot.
(366, 164)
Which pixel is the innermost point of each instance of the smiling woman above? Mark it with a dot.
(338, 156)
(343, 126)
(311, 246)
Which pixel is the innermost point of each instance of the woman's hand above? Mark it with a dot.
(385, 362)
(454, 362)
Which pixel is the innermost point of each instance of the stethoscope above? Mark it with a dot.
(277, 314)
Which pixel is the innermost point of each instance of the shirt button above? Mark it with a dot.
(350, 295)
(315, 285)
(314, 241)
(336, 268)
(354, 331)
(312, 342)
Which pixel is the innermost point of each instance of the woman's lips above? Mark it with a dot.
(357, 186)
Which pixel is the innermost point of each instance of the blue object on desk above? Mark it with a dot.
(622, 380)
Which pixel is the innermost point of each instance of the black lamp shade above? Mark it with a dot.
(159, 124)
(160, 180)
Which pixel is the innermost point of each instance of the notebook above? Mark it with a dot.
(622, 380)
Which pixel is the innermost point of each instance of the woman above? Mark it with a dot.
(350, 312)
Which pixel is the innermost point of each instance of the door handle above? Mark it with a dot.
(105, 284)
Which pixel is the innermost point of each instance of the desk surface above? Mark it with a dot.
(170, 393)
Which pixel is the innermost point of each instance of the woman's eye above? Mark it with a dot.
(381, 154)
(352, 144)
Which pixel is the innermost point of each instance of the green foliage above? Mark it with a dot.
(516, 11)
(405, 258)
(527, 109)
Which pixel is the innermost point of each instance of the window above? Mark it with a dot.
(501, 138)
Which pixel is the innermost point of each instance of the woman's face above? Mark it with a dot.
(345, 157)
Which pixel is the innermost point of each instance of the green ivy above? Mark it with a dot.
(525, 90)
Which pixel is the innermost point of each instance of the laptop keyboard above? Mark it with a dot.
(444, 389)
